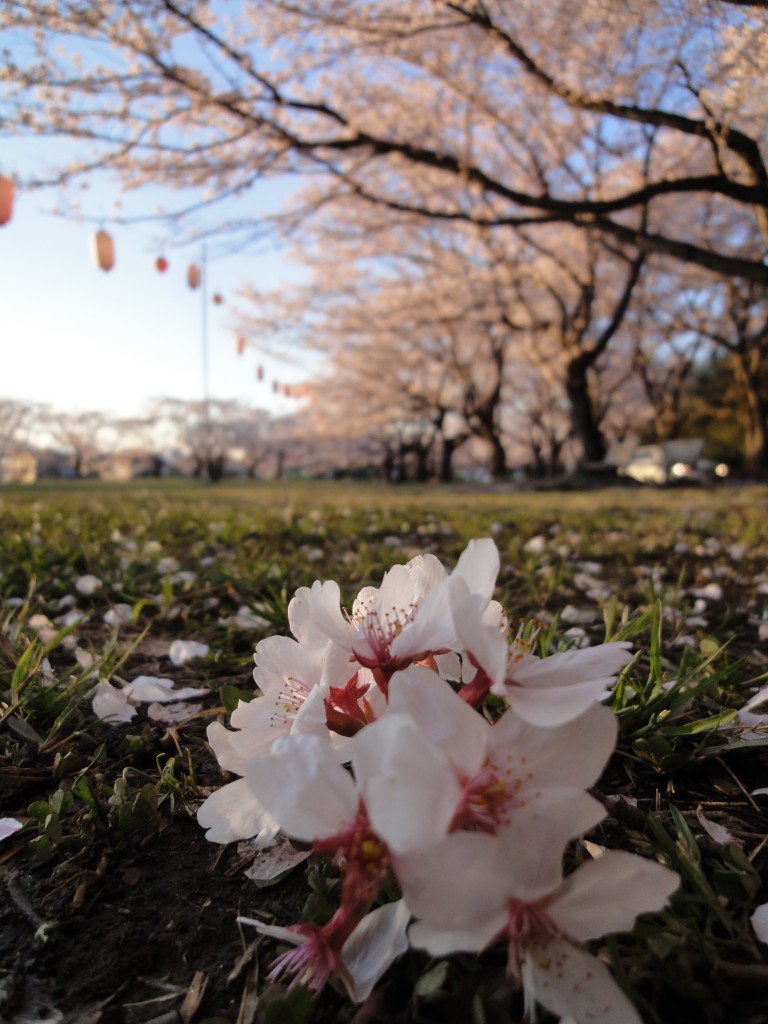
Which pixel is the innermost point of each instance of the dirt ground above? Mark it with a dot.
(144, 934)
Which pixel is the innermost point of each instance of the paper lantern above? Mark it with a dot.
(103, 250)
(6, 199)
(259, 373)
(217, 299)
(193, 275)
(240, 346)
(161, 264)
(275, 386)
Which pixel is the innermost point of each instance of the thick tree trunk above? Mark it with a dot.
(449, 446)
(755, 432)
(584, 422)
(421, 452)
(498, 465)
(388, 465)
(215, 468)
(555, 463)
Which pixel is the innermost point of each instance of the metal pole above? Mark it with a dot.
(206, 396)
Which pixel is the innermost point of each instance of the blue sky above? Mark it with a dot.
(79, 338)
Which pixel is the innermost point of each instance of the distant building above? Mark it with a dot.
(18, 468)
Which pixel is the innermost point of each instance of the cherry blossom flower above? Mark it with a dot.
(315, 800)
(470, 773)
(408, 618)
(542, 917)
(293, 699)
(287, 673)
(318, 682)
(543, 691)
(471, 818)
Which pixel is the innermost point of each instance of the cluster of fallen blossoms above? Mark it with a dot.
(373, 741)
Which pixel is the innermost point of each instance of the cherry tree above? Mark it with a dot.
(639, 129)
(735, 321)
(424, 331)
(80, 434)
(480, 111)
(662, 349)
(17, 421)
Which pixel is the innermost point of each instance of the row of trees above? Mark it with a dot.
(529, 223)
(173, 434)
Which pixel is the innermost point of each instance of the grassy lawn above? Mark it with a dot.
(119, 909)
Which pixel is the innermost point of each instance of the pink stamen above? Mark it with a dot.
(528, 926)
(484, 801)
(312, 963)
(289, 701)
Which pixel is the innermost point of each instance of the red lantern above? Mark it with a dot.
(240, 346)
(6, 199)
(217, 299)
(103, 250)
(161, 264)
(259, 373)
(193, 275)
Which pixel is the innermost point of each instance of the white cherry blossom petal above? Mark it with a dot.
(453, 885)
(555, 705)
(606, 895)
(171, 713)
(111, 703)
(759, 921)
(569, 981)
(87, 584)
(576, 751)
(409, 789)
(233, 813)
(156, 688)
(8, 826)
(181, 651)
(482, 640)
(575, 666)
(441, 716)
(373, 946)
(478, 566)
(444, 940)
(302, 784)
